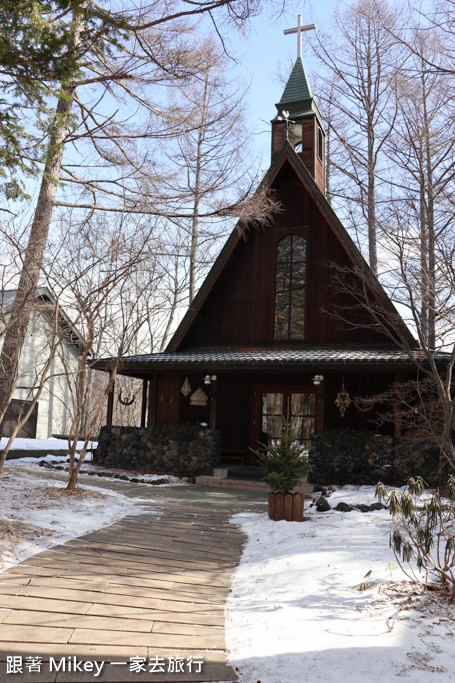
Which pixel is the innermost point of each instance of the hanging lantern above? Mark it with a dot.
(199, 398)
(186, 387)
(342, 400)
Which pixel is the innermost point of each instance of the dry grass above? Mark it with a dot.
(13, 532)
(35, 514)
(55, 493)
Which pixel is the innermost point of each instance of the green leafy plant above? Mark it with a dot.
(423, 532)
(284, 461)
(364, 586)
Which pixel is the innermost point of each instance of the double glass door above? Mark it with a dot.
(297, 407)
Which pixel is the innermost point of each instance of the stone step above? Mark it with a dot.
(245, 484)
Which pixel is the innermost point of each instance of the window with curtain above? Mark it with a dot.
(290, 288)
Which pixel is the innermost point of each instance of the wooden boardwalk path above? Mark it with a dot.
(151, 588)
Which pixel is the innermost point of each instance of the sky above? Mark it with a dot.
(261, 55)
(266, 51)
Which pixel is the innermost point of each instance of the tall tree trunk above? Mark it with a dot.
(371, 199)
(372, 243)
(175, 299)
(427, 224)
(197, 190)
(193, 251)
(431, 277)
(423, 252)
(29, 279)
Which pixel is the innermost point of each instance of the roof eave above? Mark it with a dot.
(145, 369)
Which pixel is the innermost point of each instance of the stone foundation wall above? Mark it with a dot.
(345, 456)
(181, 450)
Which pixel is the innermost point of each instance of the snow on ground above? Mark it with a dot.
(60, 462)
(296, 613)
(36, 514)
(41, 444)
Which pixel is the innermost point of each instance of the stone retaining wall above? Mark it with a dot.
(181, 450)
(345, 456)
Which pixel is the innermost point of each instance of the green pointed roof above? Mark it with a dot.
(297, 87)
(297, 97)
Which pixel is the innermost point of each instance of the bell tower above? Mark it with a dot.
(298, 119)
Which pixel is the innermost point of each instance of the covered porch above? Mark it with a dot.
(243, 392)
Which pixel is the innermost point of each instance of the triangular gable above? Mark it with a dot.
(287, 154)
(44, 295)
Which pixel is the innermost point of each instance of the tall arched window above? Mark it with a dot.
(290, 288)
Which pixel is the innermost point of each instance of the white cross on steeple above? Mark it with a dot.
(299, 29)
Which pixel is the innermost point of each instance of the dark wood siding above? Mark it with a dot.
(233, 411)
(239, 310)
(277, 137)
(168, 399)
(237, 405)
(191, 414)
(365, 383)
(319, 170)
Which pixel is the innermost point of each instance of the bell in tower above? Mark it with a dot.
(298, 121)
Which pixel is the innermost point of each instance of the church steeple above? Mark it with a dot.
(297, 88)
(298, 120)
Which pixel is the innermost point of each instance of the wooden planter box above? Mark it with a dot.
(288, 506)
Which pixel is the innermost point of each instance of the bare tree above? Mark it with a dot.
(361, 66)
(392, 117)
(113, 58)
(422, 158)
(434, 364)
(102, 271)
(210, 167)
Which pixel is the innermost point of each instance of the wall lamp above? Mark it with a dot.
(317, 379)
(208, 379)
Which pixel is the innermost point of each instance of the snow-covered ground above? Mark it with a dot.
(296, 613)
(41, 444)
(36, 514)
(60, 462)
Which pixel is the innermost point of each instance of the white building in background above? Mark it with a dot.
(52, 412)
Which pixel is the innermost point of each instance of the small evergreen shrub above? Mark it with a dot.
(285, 462)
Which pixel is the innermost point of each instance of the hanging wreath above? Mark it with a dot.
(125, 401)
(363, 404)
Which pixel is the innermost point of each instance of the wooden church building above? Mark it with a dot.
(271, 332)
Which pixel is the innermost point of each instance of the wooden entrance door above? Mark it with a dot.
(295, 404)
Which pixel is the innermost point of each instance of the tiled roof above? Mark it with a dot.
(265, 357)
(297, 87)
(7, 297)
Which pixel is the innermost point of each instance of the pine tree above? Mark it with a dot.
(284, 460)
